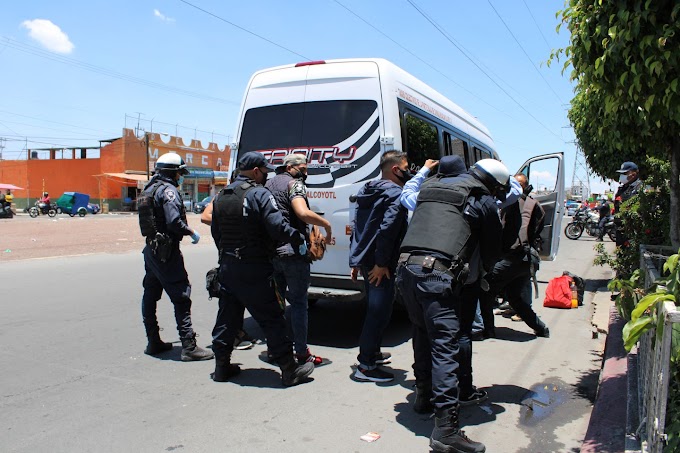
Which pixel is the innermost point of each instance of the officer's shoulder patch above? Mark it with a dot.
(170, 194)
(271, 198)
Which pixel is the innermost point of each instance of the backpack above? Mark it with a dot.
(317, 244)
(558, 292)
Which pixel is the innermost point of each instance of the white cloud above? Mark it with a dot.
(48, 35)
(542, 179)
(162, 16)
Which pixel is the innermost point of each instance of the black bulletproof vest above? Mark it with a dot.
(151, 216)
(241, 235)
(438, 223)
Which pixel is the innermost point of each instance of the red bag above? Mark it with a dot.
(558, 292)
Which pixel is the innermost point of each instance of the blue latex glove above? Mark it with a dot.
(303, 249)
(195, 237)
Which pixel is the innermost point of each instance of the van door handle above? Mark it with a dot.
(353, 198)
(319, 212)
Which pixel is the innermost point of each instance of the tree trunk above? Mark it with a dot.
(675, 193)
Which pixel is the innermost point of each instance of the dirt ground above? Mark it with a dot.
(24, 237)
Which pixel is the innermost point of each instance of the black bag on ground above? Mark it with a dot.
(212, 283)
(580, 285)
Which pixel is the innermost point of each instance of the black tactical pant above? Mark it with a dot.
(512, 274)
(172, 277)
(442, 325)
(250, 285)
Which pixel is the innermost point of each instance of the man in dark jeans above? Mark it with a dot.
(605, 211)
(380, 224)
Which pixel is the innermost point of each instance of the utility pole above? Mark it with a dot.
(146, 139)
(581, 176)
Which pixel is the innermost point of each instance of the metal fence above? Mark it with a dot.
(654, 354)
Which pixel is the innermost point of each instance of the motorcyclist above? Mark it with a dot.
(44, 202)
(605, 211)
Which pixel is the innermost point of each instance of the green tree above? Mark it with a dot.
(625, 59)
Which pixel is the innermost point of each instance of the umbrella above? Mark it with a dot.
(10, 187)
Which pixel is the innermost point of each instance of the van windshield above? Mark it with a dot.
(337, 136)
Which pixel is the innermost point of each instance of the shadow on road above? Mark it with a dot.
(507, 334)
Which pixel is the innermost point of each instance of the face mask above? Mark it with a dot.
(623, 178)
(180, 181)
(405, 176)
(264, 178)
(301, 175)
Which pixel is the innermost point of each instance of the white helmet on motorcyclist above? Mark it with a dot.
(171, 162)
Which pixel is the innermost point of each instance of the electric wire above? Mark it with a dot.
(525, 52)
(244, 29)
(440, 30)
(52, 122)
(536, 24)
(32, 50)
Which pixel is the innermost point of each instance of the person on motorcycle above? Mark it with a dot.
(45, 200)
(605, 211)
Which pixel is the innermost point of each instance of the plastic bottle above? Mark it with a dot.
(574, 294)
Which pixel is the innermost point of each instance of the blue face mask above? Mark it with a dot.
(180, 181)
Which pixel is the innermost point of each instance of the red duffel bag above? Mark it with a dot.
(558, 292)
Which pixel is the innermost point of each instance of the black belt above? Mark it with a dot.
(426, 262)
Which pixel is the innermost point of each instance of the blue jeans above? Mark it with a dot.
(379, 302)
(478, 323)
(292, 278)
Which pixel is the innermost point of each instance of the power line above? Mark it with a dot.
(419, 58)
(32, 50)
(244, 29)
(45, 127)
(525, 52)
(50, 121)
(440, 30)
(536, 23)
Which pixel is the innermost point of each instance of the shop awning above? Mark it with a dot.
(126, 176)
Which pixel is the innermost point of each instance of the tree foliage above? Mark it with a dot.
(625, 59)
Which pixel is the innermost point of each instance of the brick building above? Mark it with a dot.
(119, 171)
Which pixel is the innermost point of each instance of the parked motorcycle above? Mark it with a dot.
(42, 208)
(6, 212)
(588, 221)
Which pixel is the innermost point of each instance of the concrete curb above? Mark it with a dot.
(607, 426)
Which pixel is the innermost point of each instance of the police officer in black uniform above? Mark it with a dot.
(455, 232)
(163, 221)
(629, 178)
(246, 225)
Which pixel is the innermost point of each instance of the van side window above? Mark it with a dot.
(422, 141)
(456, 147)
(481, 154)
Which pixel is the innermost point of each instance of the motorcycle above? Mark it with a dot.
(588, 221)
(42, 208)
(6, 212)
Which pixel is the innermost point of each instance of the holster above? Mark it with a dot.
(162, 246)
(458, 269)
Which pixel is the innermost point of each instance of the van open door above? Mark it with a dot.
(546, 174)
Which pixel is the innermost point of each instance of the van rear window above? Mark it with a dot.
(321, 123)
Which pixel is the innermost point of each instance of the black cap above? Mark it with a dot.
(627, 166)
(252, 160)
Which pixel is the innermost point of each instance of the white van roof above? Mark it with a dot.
(391, 75)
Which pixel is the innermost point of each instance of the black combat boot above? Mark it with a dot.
(447, 437)
(292, 373)
(422, 404)
(224, 369)
(155, 345)
(191, 351)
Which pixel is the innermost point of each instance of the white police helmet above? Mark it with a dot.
(171, 162)
(493, 173)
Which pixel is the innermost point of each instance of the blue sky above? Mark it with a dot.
(174, 64)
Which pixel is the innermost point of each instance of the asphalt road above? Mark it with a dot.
(74, 378)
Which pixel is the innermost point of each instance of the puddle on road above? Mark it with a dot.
(541, 401)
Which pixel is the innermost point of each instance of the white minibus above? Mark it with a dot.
(343, 114)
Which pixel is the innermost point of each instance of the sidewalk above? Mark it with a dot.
(607, 427)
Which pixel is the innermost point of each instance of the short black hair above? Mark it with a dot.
(392, 157)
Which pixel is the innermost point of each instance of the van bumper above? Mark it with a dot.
(335, 287)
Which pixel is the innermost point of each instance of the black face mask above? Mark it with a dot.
(264, 178)
(300, 175)
(405, 176)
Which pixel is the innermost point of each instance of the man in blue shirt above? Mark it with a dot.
(379, 226)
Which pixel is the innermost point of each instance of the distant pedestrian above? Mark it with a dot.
(379, 226)
(246, 225)
(292, 269)
(163, 222)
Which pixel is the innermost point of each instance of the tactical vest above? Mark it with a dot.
(527, 237)
(151, 217)
(241, 235)
(438, 223)
(278, 186)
